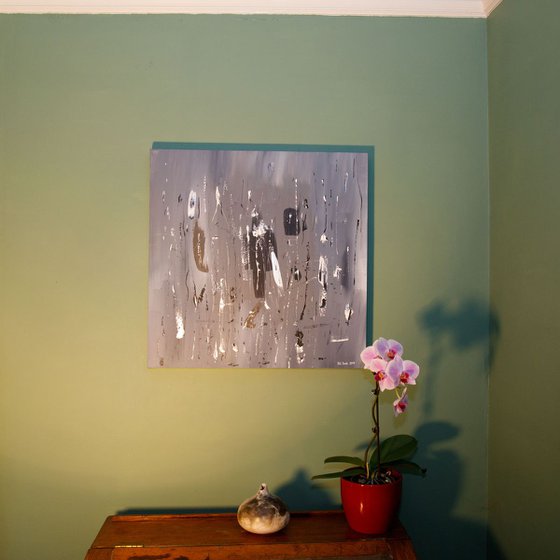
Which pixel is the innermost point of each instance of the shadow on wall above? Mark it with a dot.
(429, 504)
(175, 510)
(437, 532)
(469, 325)
(297, 493)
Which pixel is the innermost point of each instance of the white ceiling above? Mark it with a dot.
(418, 8)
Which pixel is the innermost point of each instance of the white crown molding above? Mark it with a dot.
(490, 5)
(416, 8)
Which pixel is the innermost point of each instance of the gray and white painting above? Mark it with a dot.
(257, 258)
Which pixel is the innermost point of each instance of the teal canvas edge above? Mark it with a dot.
(369, 150)
(159, 145)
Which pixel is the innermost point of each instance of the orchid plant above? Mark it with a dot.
(384, 358)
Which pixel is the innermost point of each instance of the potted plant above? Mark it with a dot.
(371, 486)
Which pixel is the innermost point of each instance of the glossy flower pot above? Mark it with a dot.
(371, 508)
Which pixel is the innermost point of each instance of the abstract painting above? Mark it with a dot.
(258, 256)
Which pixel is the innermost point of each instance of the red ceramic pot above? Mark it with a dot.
(371, 508)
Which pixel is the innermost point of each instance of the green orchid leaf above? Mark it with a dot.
(397, 448)
(339, 474)
(345, 459)
(408, 467)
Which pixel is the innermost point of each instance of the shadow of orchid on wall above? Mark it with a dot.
(467, 325)
(299, 494)
(429, 505)
(438, 532)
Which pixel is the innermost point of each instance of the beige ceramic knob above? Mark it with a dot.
(263, 513)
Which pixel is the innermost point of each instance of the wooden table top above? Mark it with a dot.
(323, 534)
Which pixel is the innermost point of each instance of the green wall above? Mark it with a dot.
(86, 429)
(525, 202)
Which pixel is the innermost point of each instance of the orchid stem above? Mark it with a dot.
(376, 430)
(375, 438)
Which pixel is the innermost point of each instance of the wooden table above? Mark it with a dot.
(219, 537)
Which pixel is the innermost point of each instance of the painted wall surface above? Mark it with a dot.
(87, 429)
(525, 204)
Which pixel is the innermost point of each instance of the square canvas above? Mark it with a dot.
(258, 257)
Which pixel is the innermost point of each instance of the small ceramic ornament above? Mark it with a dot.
(263, 513)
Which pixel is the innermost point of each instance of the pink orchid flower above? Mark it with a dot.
(405, 370)
(386, 379)
(368, 355)
(387, 349)
(410, 372)
(399, 405)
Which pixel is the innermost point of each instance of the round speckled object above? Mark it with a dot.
(264, 513)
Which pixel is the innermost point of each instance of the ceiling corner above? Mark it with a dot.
(490, 5)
